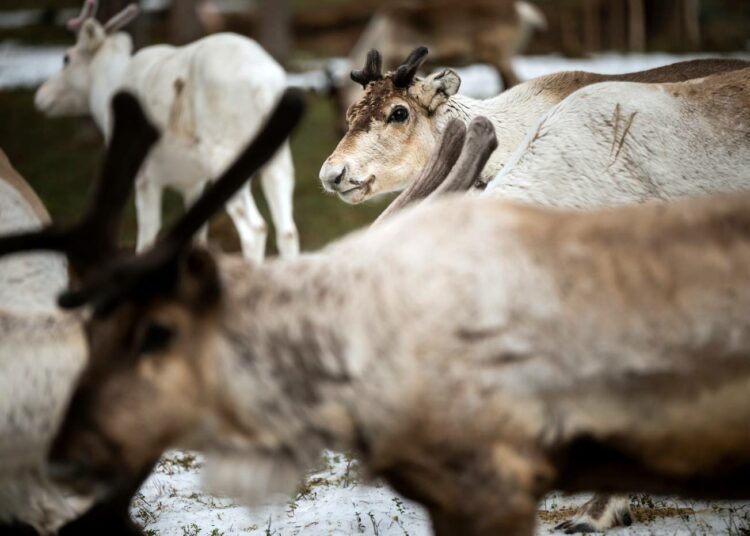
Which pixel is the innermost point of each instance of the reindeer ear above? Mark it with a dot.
(91, 36)
(435, 90)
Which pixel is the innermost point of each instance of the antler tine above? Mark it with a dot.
(122, 19)
(153, 271)
(94, 238)
(87, 11)
(50, 239)
(372, 71)
(406, 72)
(481, 141)
(132, 138)
(434, 173)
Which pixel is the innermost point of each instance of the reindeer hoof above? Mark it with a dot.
(572, 528)
(600, 513)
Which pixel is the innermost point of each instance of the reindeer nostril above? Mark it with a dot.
(340, 177)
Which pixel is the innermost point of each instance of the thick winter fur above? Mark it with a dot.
(26, 281)
(376, 157)
(208, 98)
(41, 353)
(618, 143)
(533, 350)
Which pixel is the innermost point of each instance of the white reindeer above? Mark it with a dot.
(43, 350)
(28, 285)
(543, 349)
(207, 97)
(396, 124)
(619, 143)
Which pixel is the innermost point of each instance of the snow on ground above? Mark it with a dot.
(24, 66)
(334, 502)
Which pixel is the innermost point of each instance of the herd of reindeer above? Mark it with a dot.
(557, 299)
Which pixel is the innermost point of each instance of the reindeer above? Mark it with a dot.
(206, 97)
(30, 281)
(635, 142)
(43, 350)
(491, 32)
(630, 149)
(395, 125)
(520, 376)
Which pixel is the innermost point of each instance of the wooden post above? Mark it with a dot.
(691, 23)
(183, 24)
(275, 28)
(592, 25)
(636, 26)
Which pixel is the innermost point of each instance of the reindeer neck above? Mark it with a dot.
(512, 113)
(288, 359)
(108, 76)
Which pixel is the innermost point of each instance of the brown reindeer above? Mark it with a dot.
(476, 354)
(396, 124)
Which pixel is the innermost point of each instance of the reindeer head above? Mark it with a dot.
(67, 92)
(149, 381)
(392, 129)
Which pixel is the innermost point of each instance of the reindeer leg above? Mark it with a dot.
(277, 180)
(485, 492)
(602, 512)
(249, 223)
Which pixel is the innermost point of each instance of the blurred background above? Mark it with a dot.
(317, 41)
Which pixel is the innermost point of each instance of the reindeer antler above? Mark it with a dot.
(152, 272)
(481, 141)
(93, 240)
(87, 11)
(372, 71)
(122, 19)
(453, 167)
(405, 73)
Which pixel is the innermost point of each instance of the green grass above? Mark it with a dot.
(60, 157)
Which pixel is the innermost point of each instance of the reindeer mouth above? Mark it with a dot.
(361, 189)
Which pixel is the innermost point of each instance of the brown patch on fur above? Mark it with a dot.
(563, 84)
(14, 179)
(372, 106)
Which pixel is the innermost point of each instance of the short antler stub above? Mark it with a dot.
(122, 19)
(87, 11)
(372, 71)
(405, 73)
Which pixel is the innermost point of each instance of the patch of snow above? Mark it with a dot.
(23, 66)
(333, 501)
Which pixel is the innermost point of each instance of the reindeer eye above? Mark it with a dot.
(66, 60)
(156, 337)
(398, 115)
